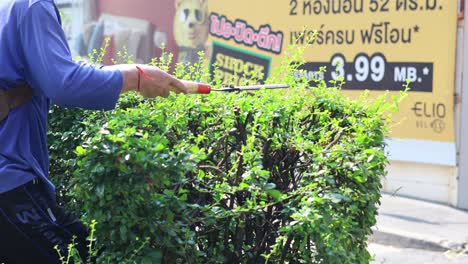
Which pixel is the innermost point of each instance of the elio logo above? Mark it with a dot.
(430, 115)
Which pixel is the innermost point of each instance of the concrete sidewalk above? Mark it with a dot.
(410, 223)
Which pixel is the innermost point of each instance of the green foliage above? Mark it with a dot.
(274, 176)
(65, 131)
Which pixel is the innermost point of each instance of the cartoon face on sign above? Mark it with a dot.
(191, 23)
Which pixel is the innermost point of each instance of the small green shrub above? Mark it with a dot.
(235, 178)
(283, 176)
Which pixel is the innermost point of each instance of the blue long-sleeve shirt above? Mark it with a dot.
(34, 51)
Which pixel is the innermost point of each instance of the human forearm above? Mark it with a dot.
(129, 76)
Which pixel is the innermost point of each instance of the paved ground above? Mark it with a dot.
(411, 231)
(393, 255)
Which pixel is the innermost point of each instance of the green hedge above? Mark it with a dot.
(272, 176)
(277, 176)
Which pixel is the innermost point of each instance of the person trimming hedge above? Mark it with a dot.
(34, 53)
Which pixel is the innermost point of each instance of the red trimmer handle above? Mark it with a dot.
(197, 88)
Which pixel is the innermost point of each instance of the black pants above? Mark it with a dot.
(32, 225)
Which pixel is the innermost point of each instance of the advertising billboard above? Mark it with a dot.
(374, 45)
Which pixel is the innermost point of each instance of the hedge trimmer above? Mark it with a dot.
(202, 88)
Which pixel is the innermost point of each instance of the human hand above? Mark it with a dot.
(153, 82)
(149, 81)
